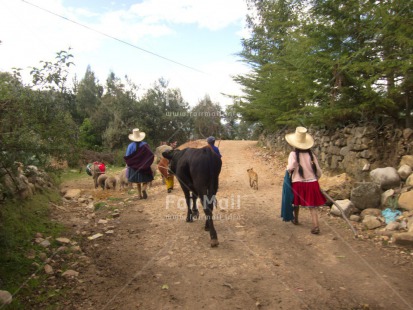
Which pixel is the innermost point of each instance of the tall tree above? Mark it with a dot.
(88, 96)
(327, 61)
(207, 119)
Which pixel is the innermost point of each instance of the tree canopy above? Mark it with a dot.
(327, 62)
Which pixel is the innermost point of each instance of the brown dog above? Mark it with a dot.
(253, 178)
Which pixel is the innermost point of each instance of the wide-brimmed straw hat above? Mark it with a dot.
(137, 135)
(300, 139)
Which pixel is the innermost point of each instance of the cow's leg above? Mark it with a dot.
(195, 212)
(188, 204)
(208, 205)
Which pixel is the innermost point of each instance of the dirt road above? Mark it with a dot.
(155, 260)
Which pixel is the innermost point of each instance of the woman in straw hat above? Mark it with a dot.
(139, 159)
(303, 165)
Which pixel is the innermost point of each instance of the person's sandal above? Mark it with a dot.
(294, 221)
(315, 230)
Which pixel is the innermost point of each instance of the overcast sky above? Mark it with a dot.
(204, 35)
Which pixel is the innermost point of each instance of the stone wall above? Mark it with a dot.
(353, 150)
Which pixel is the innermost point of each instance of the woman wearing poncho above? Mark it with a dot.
(139, 159)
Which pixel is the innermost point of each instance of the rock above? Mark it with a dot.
(45, 243)
(392, 226)
(48, 269)
(62, 249)
(5, 298)
(95, 236)
(404, 171)
(346, 205)
(407, 160)
(407, 133)
(366, 195)
(385, 198)
(72, 194)
(338, 187)
(70, 274)
(409, 181)
(102, 221)
(370, 211)
(43, 257)
(371, 222)
(31, 254)
(355, 218)
(404, 239)
(406, 201)
(409, 224)
(75, 248)
(387, 177)
(63, 240)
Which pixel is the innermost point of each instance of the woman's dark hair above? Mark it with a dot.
(300, 169)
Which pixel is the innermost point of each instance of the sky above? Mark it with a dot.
(200, 40)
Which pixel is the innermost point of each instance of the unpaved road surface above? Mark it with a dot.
(155, 260)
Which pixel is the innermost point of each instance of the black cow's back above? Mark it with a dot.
(197, 170)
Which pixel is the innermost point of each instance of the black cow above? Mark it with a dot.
(197, 170)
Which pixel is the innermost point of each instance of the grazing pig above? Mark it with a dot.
(123, 180)
(110, 182)
(101, 180)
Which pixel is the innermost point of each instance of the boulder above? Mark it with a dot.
(409, 181)
(346, 205)
(406, 201)
(407, 160)
(386, 198)
(404, 239)
(404, 171)
(72, 194)
(338, 187)
(372, 222)
(366, 195)
(387, 177)
(392, 226)
(370, 212)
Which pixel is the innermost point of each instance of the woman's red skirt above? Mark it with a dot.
(308, 194)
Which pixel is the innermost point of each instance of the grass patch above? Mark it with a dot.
(99, 205)
(19, 223)
(114, 199)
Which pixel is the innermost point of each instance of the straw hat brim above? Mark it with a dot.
(291, 139)
(138, 138)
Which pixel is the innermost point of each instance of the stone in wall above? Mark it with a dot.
(352, 148)
(354, 165)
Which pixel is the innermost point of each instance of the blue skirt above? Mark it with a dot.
(138, 177)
